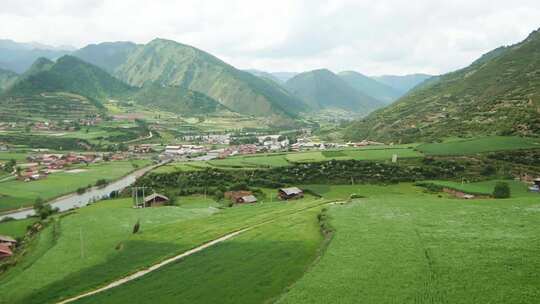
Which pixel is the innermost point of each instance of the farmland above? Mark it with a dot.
(479, 145)
(410, 247)
(15, 193)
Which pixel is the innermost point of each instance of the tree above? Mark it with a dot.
(501, 190)
(43, 210)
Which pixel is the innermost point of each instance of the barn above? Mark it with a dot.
(155, 200)
(290, 193)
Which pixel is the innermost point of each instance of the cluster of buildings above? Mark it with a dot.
(184, 150)
(211, 139)
(238, 150)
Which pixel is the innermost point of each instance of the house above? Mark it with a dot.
(248, 199)
(5, 252)
(7, 241)
(155, 200)
(290, 193)
(237, 196)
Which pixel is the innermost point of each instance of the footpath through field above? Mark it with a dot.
(175, 258)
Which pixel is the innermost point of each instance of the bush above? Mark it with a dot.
(501, 190)
(102, 183)
(355, 195)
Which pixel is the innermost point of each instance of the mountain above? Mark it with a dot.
(68, 88)
(403, 83)
(264, 75)
(7, 78)
(177, 100)
(18, 57)
(108, 55)
(284, 76)
(169, 63)
(322, 89)
(497, 94)
(371, 87)
(68, 74)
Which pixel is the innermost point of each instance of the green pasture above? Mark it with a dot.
(356, 154)
(479, 145)
(16, 194)
(403, 246)
(16, 228)
(95, 245)
(254, 267)
(517, 188)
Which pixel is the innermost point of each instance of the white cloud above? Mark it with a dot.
(373, 37)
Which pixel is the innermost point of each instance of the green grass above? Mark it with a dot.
(356, 154)
(111, 251)
(18, 156)
(254, 267)
(15, 194)
(479, 145)
(517, 188)
(409, 247)
(16, 228)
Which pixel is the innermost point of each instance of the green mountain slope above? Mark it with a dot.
(403, 83)
(322, 89)
(370, 87)
(68, 74)
(497, 94)
(265, 75)
(107, 55)
(7, 78)
(177, 100)
(69, 88)
(170, 63)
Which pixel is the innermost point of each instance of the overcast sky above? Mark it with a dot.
(373, 37)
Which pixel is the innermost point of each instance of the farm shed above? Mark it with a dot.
(5, 251)
(236, 196)
(7, 241)
(248, 199)
(155, 199)
(290, 193)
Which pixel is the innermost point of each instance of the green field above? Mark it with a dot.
(409, 247)
(16, 194)
(479, 145)
(109, 250)
(356, 154)
(254, 267)
(517, 188)
(15, 228)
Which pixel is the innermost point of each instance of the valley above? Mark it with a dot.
(159, 173)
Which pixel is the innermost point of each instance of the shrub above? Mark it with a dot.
(501, 190)
(355, 195)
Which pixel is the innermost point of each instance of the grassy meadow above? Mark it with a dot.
(109, 250)
(410, 247)
(15, 194)
(479, 145)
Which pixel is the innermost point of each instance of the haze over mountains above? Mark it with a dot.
(192, 81)
(498, 94)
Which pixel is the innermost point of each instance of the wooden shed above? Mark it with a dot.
(248, 199)
(155, 199)
(290, 193)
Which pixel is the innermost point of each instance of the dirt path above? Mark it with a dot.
(154, 267)
(204, 246)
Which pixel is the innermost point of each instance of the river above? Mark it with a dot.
(93, 194)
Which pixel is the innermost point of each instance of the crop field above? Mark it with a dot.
(479, 145)
(15, 228)
(261, 161)
(356, 154)
(18, 156)
(261, 262)
(410, 247)
(16, 194)
(95, 244)
(517, 188)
